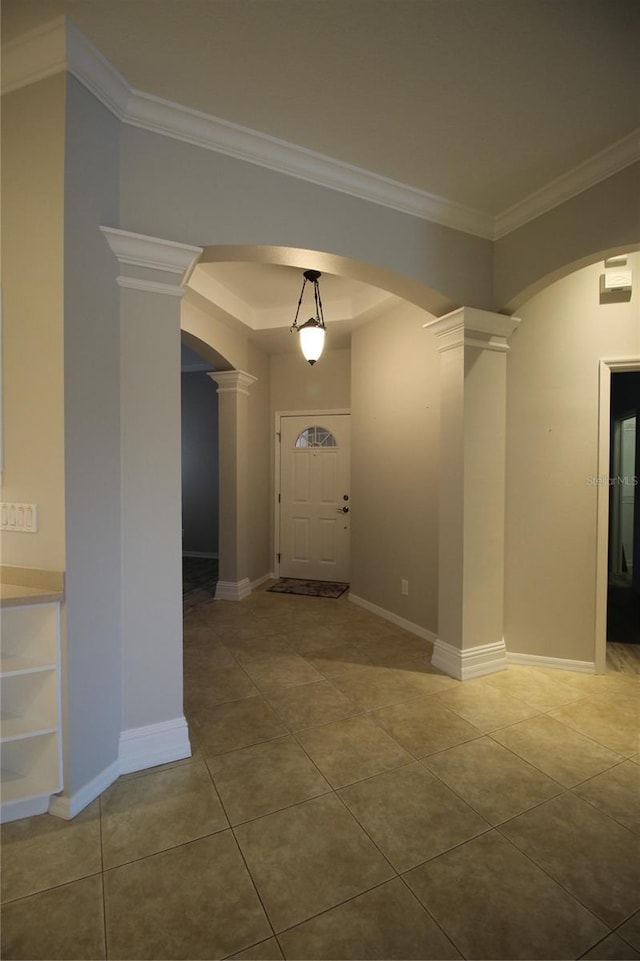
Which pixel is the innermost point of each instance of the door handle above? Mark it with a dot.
(342, 510)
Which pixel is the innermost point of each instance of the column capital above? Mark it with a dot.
(146, 261)
(472, 327)
(232, 381)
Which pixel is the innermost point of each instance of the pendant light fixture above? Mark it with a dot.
(312, 333)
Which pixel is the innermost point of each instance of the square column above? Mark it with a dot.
(233, 447)
(151, 276)
(473, 347)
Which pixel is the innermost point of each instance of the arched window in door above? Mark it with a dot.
(315, 437)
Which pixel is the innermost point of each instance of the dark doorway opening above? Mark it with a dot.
(623, 592)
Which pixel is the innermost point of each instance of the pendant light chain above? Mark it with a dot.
(294, 325)
(319, 313)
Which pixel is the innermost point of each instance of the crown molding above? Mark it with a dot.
(604, 164)
(59, 45)
(94, 71)
(35, 55)
(171, 120)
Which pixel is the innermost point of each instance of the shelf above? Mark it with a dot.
(15, 726)
(30, 721)
(12, 665)
(19, 787)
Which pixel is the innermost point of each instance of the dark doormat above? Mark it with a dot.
(296, 585)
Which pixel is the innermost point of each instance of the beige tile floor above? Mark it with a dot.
(344, 800)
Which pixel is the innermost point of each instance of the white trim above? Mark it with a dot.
(94, 71)
(65, 806)
(233, 140)
(139, 748)
(262, 580)
(471, 662)
(606, 368)
(153, 744)
(200, 554)
(24, 808)
(320, 412)
(233, 590)
(149, 286)
(602, 165)
(472, 327)
(394, 618)
(232, 381)
(142, 250)
(555, 663)
(59, 45)
(34, 56)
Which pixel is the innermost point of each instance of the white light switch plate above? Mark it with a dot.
(21, 518)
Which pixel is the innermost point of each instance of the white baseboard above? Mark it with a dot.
(67, 806)
(472, 662)
(142, 747)
(15, 810)
(394, 618)
(262, 580)
(555, 663)
(200, 554)
(233, 590)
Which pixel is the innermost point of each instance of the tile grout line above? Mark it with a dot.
(102, 883)
(563, 790)
(556, 881)
(425, 908)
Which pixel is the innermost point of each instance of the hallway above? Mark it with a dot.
(345, 801)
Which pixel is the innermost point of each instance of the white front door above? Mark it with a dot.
(314, 496)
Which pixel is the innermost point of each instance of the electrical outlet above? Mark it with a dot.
(404, 587)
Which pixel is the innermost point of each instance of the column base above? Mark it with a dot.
(472, 662)
(143, 747)
(233, 590)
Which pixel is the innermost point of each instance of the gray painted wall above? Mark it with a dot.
(175, 190)
(92, 441)
(199, 464)
(603, 219)
(395, 403)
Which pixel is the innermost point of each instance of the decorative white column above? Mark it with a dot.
(233, 450)
(151, 276)
(473, 345)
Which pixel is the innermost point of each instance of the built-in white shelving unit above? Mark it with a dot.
(30, 733)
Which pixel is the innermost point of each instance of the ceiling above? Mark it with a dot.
(481, 102)
(261, 301)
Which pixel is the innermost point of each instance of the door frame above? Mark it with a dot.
(323, 412)
(607, 368)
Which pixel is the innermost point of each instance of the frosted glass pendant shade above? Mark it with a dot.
(312, 340)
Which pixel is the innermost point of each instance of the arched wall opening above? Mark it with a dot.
(388, 378)
(427, 298)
